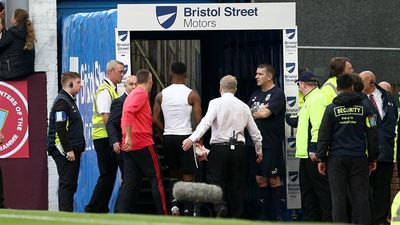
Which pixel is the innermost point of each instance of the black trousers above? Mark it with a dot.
(108, 165)
(139, 163)
(315, 192)
(67, 179)
(349, 174)
(228, 169)
(1, 190)
(380, 181)
(120, 159)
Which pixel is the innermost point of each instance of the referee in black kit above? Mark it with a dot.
(65, 139)
(228, 117)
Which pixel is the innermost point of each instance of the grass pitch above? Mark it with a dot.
(22, 217)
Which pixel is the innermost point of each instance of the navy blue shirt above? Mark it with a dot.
(272, 128)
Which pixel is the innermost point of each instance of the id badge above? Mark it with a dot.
(232, 148)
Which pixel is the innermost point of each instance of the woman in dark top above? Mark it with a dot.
(17, 52)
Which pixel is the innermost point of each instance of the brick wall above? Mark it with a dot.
(43, 13)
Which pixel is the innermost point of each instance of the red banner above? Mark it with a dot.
(14, 119)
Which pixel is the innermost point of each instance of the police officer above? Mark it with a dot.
(106, 158)
(65, 140)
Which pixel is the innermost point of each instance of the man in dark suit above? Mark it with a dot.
(380, 181)
(114, 124)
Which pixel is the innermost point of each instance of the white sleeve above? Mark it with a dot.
(103, 102)
(205, 123)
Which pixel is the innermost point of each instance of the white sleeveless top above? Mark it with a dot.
(176, 110)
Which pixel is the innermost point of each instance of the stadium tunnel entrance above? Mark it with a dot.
(209, 55)
(214, 40)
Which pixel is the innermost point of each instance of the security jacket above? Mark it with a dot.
(348, 129)
(309, 120)
(65, 125)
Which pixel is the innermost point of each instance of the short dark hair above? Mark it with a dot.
(345, 82)
(337, 66)
(267, 67)
(178, 68)
(143, 76)
(68, 76)
(357, 82)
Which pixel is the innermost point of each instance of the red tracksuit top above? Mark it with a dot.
(136, 113)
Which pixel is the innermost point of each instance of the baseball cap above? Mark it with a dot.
(307, 76)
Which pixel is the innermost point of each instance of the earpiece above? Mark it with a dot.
(71, 85)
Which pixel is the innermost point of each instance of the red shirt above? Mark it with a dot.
(137, 114)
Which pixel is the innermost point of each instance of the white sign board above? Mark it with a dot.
(123, 54)
(123, 49)
(173, 17)
(289, 43)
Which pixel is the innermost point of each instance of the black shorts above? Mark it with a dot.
(272, 163)
(175, 157)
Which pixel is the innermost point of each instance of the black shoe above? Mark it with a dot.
(222, 212)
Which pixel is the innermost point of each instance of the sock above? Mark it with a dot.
(262, 202)
(277, 203)
(174, 202)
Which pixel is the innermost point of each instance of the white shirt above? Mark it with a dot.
(103, 101)
(225, 115)
(176, 110)
(379, 102)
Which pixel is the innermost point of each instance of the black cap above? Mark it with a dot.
(307, 76)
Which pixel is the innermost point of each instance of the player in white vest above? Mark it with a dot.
(178, 104)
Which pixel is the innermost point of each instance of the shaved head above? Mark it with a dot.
(369, 80)
(386, 86)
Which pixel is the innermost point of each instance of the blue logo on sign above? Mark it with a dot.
(291, 100)
(122, 35)
(290, 33)
(293, 175)
(291, 142)
(166, 15)
(125, 69)
(290, 67)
